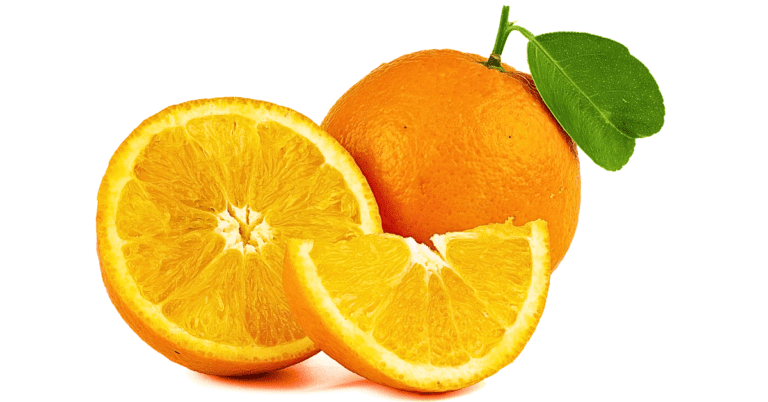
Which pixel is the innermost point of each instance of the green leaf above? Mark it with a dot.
(600, 94)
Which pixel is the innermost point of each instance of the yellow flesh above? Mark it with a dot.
(426, 308)
(205, 217)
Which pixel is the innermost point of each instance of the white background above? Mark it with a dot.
(662, 295)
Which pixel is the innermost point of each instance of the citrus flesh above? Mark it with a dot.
(193, 214)
(448, 144)
(403, 315)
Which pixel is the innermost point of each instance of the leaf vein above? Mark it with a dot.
(581, 55)
(560, 69)
(608, 91)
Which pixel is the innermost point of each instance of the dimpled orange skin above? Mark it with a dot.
(448, 144)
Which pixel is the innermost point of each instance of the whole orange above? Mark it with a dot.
(448, 144)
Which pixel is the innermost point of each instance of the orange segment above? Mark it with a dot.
(212, 305)
(267, 315)
(158, 269)
(194, 211)
(510, 256)
(401, 324)
(403, 315)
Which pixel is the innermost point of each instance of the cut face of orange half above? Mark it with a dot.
(193, 216)
(403, 315)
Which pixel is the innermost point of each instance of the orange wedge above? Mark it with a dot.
(193, 214)
(403, 315)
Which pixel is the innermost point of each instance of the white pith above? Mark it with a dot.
(423, 255)
(230, 222)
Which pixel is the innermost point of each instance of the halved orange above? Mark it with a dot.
(193, 214)
(403, 315)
